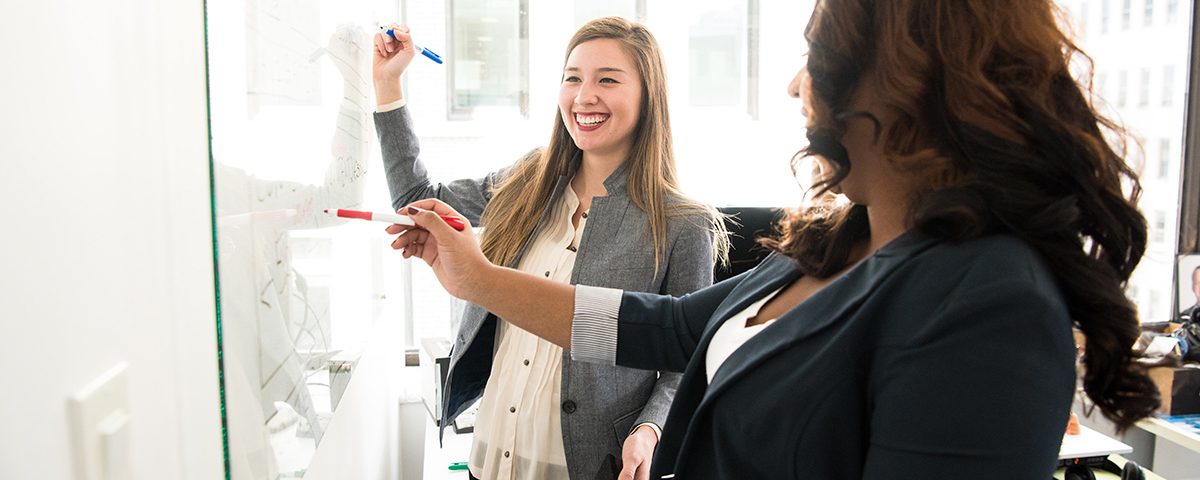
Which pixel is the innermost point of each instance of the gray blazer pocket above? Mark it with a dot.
(623, 425)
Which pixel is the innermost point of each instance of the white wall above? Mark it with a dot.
(106, 251)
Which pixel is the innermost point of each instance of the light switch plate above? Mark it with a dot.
(99, 415)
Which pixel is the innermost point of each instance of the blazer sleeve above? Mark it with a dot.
(407, 178)
(984, 386)
(643, 330)
(689, 268)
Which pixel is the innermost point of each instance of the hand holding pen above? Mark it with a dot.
(394, 50)
(391, 31)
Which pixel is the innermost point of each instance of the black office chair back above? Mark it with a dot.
(746, 225)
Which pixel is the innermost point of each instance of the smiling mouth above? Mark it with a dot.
(589, 121)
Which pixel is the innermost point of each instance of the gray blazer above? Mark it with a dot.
(600, 404)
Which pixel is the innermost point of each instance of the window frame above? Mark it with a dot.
(1189, 190)
(455, 113)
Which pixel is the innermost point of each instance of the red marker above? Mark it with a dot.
(396, 218)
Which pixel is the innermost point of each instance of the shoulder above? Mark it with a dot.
(993, 256)
(991, 263)
(996, 284)
(691, 228)
(686, 214)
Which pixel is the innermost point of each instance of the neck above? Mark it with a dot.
(888, 220)
(596, 168)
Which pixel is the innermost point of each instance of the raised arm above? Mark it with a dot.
(407, 178)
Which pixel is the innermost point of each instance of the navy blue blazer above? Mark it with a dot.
(928, 360)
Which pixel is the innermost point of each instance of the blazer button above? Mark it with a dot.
(569, 406)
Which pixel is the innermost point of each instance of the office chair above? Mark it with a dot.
(1131, 471)
(746, 225)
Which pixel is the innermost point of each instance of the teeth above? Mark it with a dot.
(590, 120)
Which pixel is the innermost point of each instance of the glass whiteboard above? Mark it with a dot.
(301, 293)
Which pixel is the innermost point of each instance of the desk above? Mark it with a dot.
(1174, 433)
(1090, 443)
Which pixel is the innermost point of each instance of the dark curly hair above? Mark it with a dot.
(1003, 140)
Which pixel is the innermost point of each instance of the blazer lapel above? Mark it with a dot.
(773, 273)
(835, 301)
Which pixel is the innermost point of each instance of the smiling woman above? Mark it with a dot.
(600, 99)
(603, 189)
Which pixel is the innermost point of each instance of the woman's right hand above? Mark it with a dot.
(390, 58)
(455, 256)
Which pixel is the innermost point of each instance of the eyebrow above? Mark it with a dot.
(601, 69)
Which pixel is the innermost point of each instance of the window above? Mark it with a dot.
(1122, 87)
(719, 54)
(1164, 158)
(1158, 229)
(1083, 17)
(1126, 13)
(1168, 83)
(1156, 301)
(1144, 54)
(1104, 16)
(1136, 156)
(489, 57)
(1144, 89)
(630, 9)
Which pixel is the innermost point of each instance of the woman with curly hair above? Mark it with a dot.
(922, 330)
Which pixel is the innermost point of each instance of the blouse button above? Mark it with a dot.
(512, 409)
(526, 362)
(584, 215)
(506, 454)
(547, 273)
(572, 248)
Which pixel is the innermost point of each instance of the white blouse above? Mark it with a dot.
(733, 334)
(518, 430)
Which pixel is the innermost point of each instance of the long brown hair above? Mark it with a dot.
(514, 211)
(1003, 139)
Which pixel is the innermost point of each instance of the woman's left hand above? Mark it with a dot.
(637, 453)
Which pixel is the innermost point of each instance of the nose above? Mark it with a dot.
(586, 95)
(794, 86)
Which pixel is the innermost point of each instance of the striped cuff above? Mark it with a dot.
(652, 425)
(387, 107)
(594, 328)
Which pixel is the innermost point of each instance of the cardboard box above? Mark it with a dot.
(1179, 388)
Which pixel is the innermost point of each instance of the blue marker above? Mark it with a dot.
(422, 50)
